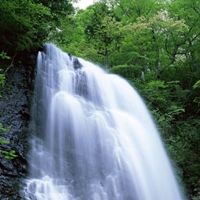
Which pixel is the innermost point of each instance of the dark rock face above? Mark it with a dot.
(15, 112)
(77, 64)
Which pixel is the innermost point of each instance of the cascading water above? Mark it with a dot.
(94, 137)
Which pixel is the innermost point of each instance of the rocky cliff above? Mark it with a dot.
(15, 106)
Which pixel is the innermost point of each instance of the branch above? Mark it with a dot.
(11, 64)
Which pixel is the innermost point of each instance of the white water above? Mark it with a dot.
(94, 137)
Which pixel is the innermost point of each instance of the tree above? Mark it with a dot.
(129, 11)
(22, 25)
(99, 33)
(25, 25)
(152, 43)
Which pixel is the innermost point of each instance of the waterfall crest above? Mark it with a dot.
(94, 138)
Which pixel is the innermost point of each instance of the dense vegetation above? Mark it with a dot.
(154, 44)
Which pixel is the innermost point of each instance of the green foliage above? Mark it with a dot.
(127, 71)
(145, 42)
(129, 11)
(2, 129)
(22, 25)
(97, 33)
(2, 81)
(196, 85)
(183, 147)
(25, 25)
(4, 56)
(59, 8)
(3, 141)
(2, 78)
(8, 154)
(165, 101)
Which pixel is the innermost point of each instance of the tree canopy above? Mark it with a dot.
(27, 24)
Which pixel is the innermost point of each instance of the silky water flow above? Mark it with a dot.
(93, 137)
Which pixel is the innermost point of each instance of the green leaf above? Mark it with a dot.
(3, 141)
(196, 85)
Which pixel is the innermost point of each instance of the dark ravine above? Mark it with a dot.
(15, 112)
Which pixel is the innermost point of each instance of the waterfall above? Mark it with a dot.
(93, 137)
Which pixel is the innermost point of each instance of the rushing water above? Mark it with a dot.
(94, 138)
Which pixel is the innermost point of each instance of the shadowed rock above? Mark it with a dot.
(76, 63)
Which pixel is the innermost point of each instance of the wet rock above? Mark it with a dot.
(15, 113)
(76, 63)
